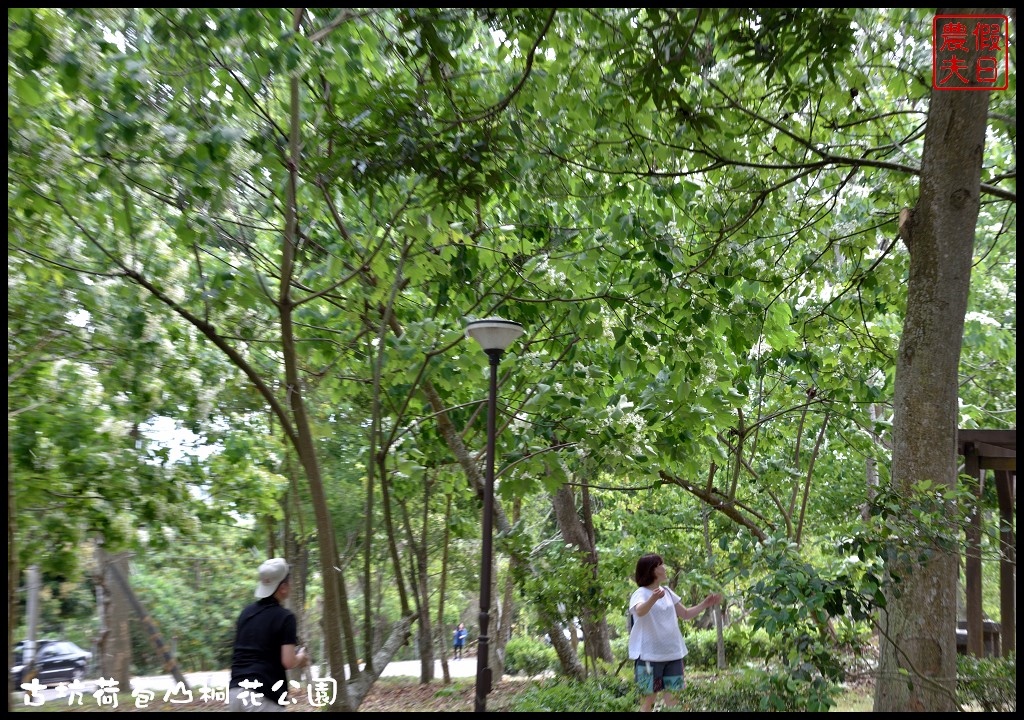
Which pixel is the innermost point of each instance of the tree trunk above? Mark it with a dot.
(442, 633)
(337, 620)
(508, 606)
(297, 555)
(595, 629)
(116, 659)
(716, 611)
(871, 468)
(12, 569)
(420, 581)
(571, 665)
(918, 626)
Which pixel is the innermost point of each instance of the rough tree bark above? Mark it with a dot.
(12, 572)
(918, 627)
(595, 628)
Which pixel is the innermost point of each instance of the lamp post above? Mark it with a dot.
(494, 336)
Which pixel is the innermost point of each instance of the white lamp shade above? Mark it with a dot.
(494, 333)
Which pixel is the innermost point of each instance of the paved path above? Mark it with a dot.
(218, 678)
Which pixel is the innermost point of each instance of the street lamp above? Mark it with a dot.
(494, 336)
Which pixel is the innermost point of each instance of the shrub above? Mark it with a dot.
(529, 656)
(853, 634)
(597, 694)
(702, 649)
(745, 691)
(742, 644)
(620, 647)
(750, 690)
(987, 683)
(726, 693)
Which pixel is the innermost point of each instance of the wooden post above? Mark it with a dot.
(1006, 490)
(975, 630)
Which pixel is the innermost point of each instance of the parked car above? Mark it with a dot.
(56, 661)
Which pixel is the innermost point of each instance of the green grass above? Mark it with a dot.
(860, 698)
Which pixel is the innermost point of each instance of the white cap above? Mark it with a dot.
(272, 572)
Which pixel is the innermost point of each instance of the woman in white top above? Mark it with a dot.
(655, 642)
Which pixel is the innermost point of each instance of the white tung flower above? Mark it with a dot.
(981, 318)
(114, 428)
(151, 332)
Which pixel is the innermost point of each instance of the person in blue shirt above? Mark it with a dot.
(459, 640)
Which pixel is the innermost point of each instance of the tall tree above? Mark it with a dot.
(917, 667)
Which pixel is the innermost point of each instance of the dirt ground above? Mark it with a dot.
(402, 695)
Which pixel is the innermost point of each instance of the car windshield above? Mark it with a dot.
(19, 650)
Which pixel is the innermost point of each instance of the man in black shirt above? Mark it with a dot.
(265, 640)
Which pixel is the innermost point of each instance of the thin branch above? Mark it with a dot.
(495, 109)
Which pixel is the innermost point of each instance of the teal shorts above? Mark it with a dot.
(654, 677)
